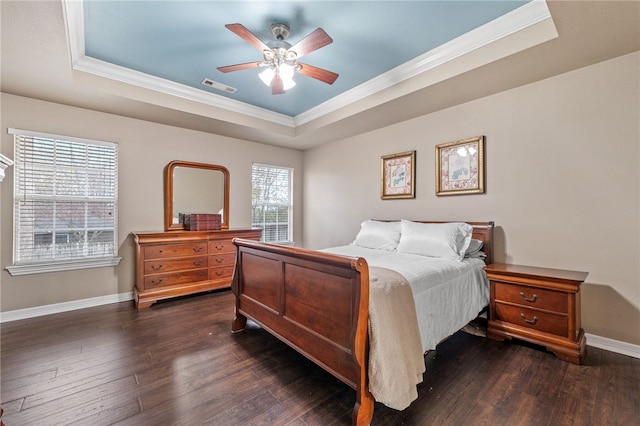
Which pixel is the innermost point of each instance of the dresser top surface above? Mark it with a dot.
(166, 236)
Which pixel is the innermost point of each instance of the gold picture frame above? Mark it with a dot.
(460, 167)
(398, 175)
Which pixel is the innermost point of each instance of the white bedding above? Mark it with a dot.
(447, 293)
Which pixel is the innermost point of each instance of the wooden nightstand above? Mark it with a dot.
(539, 305)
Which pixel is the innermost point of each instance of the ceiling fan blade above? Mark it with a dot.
(314, 41)
(318, 73)
(247, 36)
(238, 67)
(277, 87)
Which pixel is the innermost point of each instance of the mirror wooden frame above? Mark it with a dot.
(168, 192)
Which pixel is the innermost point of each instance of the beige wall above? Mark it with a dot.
(562, 182)
(144, 149)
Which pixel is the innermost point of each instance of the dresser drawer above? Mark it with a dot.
(223, 259)
(175, 250)
(530, 318)
(222, 272)
(186, 263)
(538, 298)
(175, 278)
(221, 246)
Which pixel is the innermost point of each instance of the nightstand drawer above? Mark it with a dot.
(531, 318)
(538, 298)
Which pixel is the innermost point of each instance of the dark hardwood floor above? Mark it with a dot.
(178, 364)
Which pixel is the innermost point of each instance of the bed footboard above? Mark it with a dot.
(315, 302)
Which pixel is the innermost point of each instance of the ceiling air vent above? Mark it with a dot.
(219, 86)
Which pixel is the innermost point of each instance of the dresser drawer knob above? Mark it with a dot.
(197, 249)
(219, 273)
(530, 300)
(156, 267)
(529, 321)
(197, 262)
(219, 260)
(156, 282)
(219, 247)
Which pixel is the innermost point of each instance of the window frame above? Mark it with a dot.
(65, 264)
(289, 206)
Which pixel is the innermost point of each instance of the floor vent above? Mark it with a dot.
(219, 86)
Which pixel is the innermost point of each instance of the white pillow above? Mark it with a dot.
(444, 240)
(378, 235)
(474, 249)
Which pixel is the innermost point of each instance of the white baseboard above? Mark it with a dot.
(607, 344)
(611, 345)
(64, 307)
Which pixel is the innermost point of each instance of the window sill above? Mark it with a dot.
(40, 268)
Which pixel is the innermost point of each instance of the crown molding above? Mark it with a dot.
(121, 74)
(74, 20)
(525, 17)
(531, 14)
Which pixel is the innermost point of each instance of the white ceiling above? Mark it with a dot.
(44, 56)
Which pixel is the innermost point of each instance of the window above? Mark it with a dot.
(272, 202)
(65, 203)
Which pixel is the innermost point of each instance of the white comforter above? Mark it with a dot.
(447, 295)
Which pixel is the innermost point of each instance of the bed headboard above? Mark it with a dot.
(484, 231)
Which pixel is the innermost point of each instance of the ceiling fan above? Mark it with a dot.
(281, 58)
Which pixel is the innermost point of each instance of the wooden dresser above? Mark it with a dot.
(539, 305)
(176, 263)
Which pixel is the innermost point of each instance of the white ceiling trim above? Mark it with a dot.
(125, 75)
(74, 17)
(511, 23)
(522, 18)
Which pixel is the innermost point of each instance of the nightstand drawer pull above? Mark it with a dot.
(529, 321)
(530, 300)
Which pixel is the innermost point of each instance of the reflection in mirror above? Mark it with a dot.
(197, 191)
(195, 188)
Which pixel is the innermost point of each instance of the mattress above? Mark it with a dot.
(447, 293)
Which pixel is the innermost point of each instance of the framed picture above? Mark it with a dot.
(398, 174)
(460, 167)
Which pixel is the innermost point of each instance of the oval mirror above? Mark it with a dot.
(195, 188)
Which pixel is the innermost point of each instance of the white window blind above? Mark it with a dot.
(65, 201)
(272, 202)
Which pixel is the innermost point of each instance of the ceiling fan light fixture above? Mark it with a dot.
(268, 54)
(285, 71)
(267, 75)
(286, 74)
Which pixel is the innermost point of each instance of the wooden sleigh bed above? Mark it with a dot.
(317, 303)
